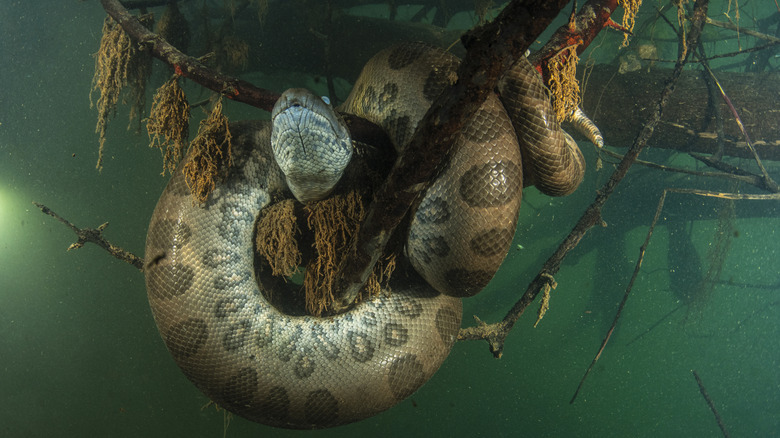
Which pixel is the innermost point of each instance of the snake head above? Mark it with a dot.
(310, 142)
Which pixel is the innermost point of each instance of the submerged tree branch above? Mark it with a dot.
(581, 30)
(187, 66)
(711, 404)
(95, 235)
(234, 88)
(746, 31)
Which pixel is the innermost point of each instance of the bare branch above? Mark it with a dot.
(95, 235)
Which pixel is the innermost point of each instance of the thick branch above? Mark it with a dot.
(187, 66)
(496, 333)
(491, 50)
(587, 23)
(95, 235)
(750, 32)
(234, 88)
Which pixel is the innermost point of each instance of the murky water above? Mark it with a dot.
(80, 354)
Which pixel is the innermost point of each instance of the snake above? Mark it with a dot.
(306, 372)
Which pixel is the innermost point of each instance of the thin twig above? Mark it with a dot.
(656, 324)
(727, 195)
(95, 235)
(643, 248)
(630, 286)
(707, 398)
(187, 66)
(752, 33)
(712, 107)
(728, 172)
(767, 179)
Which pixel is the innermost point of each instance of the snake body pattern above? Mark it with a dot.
(308, 372)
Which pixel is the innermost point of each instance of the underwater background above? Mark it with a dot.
(80, 354)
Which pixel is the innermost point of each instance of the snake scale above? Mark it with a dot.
(315, 372)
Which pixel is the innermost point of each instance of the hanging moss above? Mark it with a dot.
(332, 225)
(169, 123)
(111, 65)
(276, 239)
(564, 87)
(210, 159)
(630, 9)
(118, 63)
(333, 220)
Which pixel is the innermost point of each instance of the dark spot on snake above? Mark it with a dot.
(216, 258)
(229, 280)
(324, 343)
(401, 56)
(321, 408)
(435, 246)
(369, 319)
(396, 334)
(276, 404)
(448, 325)
(264, 332)
(433, 210)
(491, 184)
(229, 305)
(186, 338)
(466, 283)
(379, 103)
(289, 343)
(304, 364)
(401, 126)
(168, 281)
(408, 307)
(492, 242)
(389, 93)
(169, 233)
(238, 393)
(360, 345)
(235, 219)
(237, 335)
(368, 100)
(406, 375)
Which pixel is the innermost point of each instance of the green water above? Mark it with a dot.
(80, 354)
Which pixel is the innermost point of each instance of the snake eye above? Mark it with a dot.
(326, 99)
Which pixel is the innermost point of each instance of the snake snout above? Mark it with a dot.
(310, 143)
